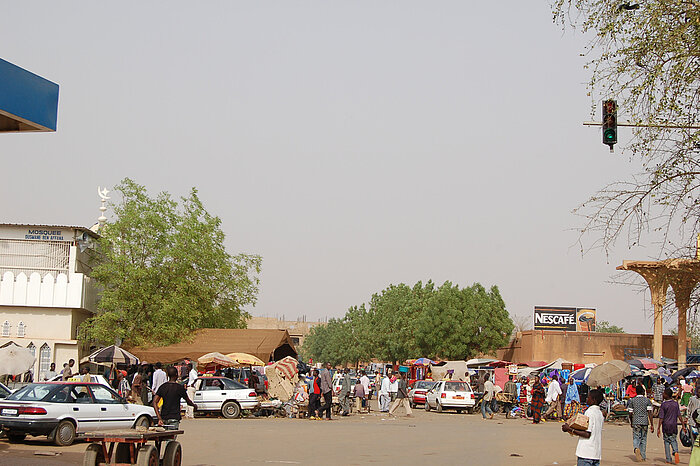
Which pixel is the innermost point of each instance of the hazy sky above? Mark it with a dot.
(351, 144)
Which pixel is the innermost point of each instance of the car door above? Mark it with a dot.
(430, 396)
(74, 401)
(114, 411)
(210, 394)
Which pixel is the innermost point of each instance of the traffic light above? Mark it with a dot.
(609, 123)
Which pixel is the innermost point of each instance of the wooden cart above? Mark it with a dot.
(130, 446)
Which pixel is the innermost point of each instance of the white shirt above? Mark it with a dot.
(394, 388)
(159, 378)
(48, 375)
(384, 390)
(591, 448)
(191, 377)
(364, 380)
(553, 392)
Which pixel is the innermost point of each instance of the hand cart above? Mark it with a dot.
(130, 446)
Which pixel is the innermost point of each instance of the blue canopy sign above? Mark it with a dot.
(27, 102)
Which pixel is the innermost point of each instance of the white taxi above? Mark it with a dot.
(450, 394)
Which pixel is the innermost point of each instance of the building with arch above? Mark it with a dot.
(45, 290)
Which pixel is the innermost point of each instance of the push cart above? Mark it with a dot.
(131, 446)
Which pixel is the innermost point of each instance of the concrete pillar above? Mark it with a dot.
(658, 286)
(683, 285)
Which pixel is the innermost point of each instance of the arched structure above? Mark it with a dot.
(682, 275)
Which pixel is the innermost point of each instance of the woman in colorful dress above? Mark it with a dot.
(572, 402)
(537, 401)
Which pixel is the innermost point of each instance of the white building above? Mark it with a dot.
(45, 290)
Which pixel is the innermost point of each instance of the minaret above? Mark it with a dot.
(103, 199)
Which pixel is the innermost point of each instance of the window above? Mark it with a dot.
(21, 329)
(6, 329)
(32, 348)
(103, 395)
(44, 359)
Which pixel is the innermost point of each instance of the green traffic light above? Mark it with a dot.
(610, 134)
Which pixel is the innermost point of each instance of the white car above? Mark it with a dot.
(450, 394)
(65, 410)
(221, 394)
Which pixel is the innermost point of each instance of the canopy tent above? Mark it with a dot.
(265, 344)
(27, 102)
(480, 361)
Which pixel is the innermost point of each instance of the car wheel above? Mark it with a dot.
(427, 405)
(459, 411)
(15, 437)
(231, 410)
(93, 455)
(412, 404)
(143, 421)
(148, 456)
(470, 410)
(173, 454)
(64, 434)
(438, 407)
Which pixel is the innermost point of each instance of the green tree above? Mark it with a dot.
(645, 55)
(603, 326)
(164, 272)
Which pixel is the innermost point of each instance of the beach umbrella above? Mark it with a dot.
(245, 359)
(216, 359)
(15, 359)
(113, 354)
(608, 373)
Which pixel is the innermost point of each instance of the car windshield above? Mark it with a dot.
(32, 392)
(456, 387)
(423, 385)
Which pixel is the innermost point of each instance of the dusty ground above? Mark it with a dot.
(428, 438)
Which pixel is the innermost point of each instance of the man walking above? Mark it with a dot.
(191, 379)
(640, 412)
(364, 380)
(590, 445)
(68, 370)
(489, 391)
(402, 397)
(384, 396)
(669, 415)
(327, 390)
(171, 392)
(553, 394)
(344, 395)
(315, 396)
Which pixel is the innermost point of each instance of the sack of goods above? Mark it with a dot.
(578, 422)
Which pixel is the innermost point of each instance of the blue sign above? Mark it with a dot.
(27, 102)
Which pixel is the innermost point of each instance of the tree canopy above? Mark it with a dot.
(603, 326)
(402, 322)
(645, 55)
(163, 272)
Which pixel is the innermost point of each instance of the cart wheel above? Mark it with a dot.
(64, 434)
(93, 455)
(148, 456)
(173, 454)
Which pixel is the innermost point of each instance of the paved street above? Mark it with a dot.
(428, 438)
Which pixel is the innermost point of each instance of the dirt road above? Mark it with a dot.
(428, 438)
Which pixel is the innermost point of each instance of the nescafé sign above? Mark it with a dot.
(572, 319)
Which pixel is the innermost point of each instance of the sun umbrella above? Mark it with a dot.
(423, 362)
(245, 359)
(682, 373)
(216, 359)
(608, 373)
(645, 363)
(15, 360)
(582, 374)
(113, 354)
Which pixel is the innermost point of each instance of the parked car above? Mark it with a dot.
(417, 391)
(221, 394)
(338, 384)
(64, 410)
(450, 394)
